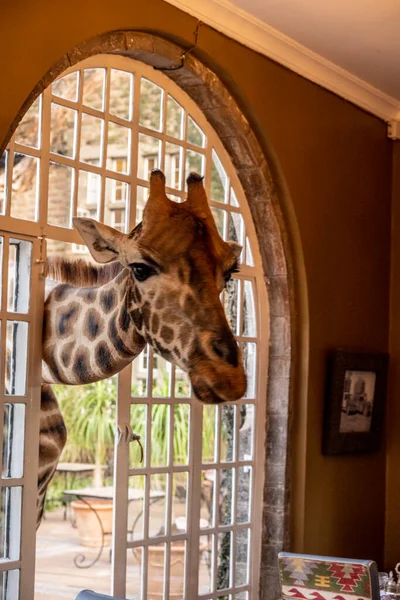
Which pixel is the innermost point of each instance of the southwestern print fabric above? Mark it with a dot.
(311, 578)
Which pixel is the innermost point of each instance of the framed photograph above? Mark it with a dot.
(355, 402)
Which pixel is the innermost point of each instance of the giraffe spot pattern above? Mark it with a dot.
(81, 366)
(155, 323)
(167, 334)
(51, 360)
(137, 318)
(88, 295)
(184, 335)
(93, 324)
(189, 306)
(66, 353)
(116, 339)
(146, 315)
(124, 320)
(61, 292)
(67, 318)
(103, 357)
(108, 301)
(160, 302)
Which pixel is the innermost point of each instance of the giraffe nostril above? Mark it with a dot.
(218, 347)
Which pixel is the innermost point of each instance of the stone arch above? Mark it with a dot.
(254, 172)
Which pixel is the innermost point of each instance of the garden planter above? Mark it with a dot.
(89, 529)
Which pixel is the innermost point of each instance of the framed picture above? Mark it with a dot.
(355, 401)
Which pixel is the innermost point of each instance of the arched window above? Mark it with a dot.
(86, 147)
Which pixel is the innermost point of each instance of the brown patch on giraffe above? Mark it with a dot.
(138, 294)
(137, 318)
(170, 318)
(51, 361)
(81, 366)
(177, 352)
(155, 323)
(66, 319)
(62, 291)
(103, 357)
(167, 334)
(124, 320)
(108, 300)
(146, 313)
(184, 335)
(66, 354)
(189, 306)
(88, 295)
(94, 324)
(160, 302)
(116, 340)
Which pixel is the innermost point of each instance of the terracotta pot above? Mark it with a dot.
(88, 525)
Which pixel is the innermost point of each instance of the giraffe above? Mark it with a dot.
(158, 285)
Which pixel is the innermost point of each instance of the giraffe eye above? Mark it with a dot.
(141, 271)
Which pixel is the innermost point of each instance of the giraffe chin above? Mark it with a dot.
(207, 395)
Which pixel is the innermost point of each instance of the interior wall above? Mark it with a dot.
(335, 160)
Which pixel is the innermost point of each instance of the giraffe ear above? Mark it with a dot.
(235, 248)
(103, 242)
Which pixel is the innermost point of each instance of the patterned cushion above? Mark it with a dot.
(304, 576)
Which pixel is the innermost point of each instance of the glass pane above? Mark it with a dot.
(134, 573)
(182, 384)
(206, 564)
(209, 425)
(228, 418)
(231, 304)
(140, 374)
(25, 187)
(194, 163)
(16, 358)
(173, 165)
(136, 492)
(67, 87)
(118, 148)
(10, 530)
(244, 494)
(160, 415)
(234, 200)
(142, 195)
(28, 131)
(219, 180)
(242, 557)
(117, 204)
(60, 195)
(225, 497)
(235, 227)
(19, 275)
(249, 360)
(161, 377)
(121, 86)
(177, 571)
(207, 515)
(93, 88)
(224, 560)
(181, 433)
(150, 105)
(220, 219)
(246, 431)
(249, 254)
(148, 155)
(89, 190)
(249, 315)
(63, 130)
(139, 426)
(242, 596)
(3, 181)
(155, 574)
(91, 140)
(194, 134)
(180, 492)
(13, 440)
(175, 113)
(9, 585)
(158, 504)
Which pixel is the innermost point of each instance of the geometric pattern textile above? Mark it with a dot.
(309, 577)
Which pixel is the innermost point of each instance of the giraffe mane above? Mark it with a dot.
(80, 272)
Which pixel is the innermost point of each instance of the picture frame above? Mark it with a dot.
(354, 403)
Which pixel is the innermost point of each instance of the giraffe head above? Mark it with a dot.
(178, 266)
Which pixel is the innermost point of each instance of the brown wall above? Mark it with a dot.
(335, 160)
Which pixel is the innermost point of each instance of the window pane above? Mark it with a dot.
(249, 254)
(181, 433)
(231, 304)
(93, 88)
(219, 180)
(150, 105)
(220, 220)
(148, 155)
(209, 425)
(207, 515)
(10, 531)
(3, 181)
(206, 564)
(246, 431)
(225, 501)
(242, 557)
(137, 485)
(91, 140)
(180, 493)
(194, 134)
(63, 130)
(173, 165)
(175, 115)
(9, 585)
(156, 570)
(67, 87)
(182, 384)
(117, 204)
(19, 275)
(249, 360)
(134, 573)
(235, 227)
(118, 148)
(194, 163)
(60, 194)
(16, 358)
(160, 415)
(25, 187)
(228, 418)
(158, 504)
(249, 313)
(243, 502)
(89, 190)
(161, 377)
(140, 374)
(121, 86)
(177, 571)
(234, 200)
(224, 560)
(139, 426)
(13, 440)
(142, 195)
(28, 131)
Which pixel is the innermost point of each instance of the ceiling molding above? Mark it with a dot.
(257, 35)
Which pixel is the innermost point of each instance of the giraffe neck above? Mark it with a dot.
(88, 334)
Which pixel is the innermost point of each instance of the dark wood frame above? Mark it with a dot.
(334, 441)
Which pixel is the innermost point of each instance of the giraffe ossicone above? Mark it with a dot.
(159, 284)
